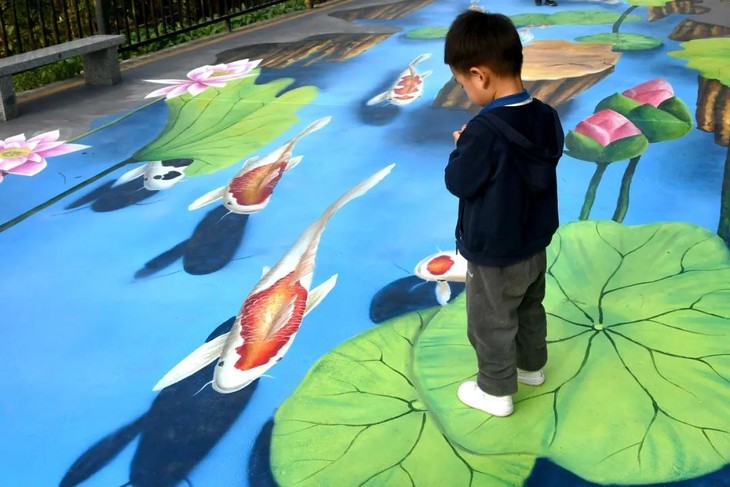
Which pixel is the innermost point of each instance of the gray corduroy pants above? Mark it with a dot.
(506, 321)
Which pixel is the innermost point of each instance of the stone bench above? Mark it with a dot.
(101, 66)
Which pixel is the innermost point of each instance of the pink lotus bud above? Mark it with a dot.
(607, 126)
(653, 92)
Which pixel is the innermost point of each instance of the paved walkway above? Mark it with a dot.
(196, 291)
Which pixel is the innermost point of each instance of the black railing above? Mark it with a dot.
(144, 21)
(26, 25)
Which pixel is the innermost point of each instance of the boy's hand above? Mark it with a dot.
(457, 134)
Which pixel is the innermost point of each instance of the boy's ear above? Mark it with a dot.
(482, 74)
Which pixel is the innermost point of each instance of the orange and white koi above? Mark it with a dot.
(271, 315)
(441, 268)
(408, 88)
(250, 190)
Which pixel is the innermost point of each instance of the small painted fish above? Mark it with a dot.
(250, 190)
(272, 313)
(408, 88)
(157, 175)
(442, 267)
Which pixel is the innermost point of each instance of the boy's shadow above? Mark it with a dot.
(211, 247)
(175, 434)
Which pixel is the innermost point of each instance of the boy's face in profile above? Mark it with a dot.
(474, 84)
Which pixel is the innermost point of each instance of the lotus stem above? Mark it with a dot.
(585, 212)
(11, 223)
(622, 17)
(723, 229)
(622, 205)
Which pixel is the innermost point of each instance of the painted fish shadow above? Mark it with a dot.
(177, 432)
(405, 296)
(214, 242)
(382, 113)
(548, 474)
(259, 463)
(106, 198)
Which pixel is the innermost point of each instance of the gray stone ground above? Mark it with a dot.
(71, 106)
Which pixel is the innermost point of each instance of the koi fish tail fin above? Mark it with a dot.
(384, 96)
(426, 74)
(199, 359)
(207, 198)
(310, 238)
(357, 191)
(293, 162)
(318, 294)
(443, 292)
(420, 58)
(128, 176)
(313, 127)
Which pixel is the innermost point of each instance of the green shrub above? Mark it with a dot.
(69, 68)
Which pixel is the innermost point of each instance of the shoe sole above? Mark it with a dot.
(500, 413)
(531, 382)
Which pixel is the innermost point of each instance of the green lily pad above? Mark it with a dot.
(220, 127)
(708, 56)
(623, 42)
(571, 17)
(427, 33)
(356, 419)
(639, 322)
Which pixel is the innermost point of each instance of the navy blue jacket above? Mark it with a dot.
(503, 171)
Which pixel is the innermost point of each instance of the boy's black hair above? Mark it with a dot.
(484, 39)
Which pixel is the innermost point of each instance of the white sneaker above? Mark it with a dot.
(530, 378)
(471, 395)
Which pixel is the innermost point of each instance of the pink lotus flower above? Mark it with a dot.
(607, 126)
(653, 92)
(28, 157)
(204, 77)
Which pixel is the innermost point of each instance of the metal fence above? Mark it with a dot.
(26, 25)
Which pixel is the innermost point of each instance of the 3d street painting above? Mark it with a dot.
(250, 279)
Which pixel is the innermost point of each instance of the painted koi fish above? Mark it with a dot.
(271, 315)
(250, 190)
(157, 175)
(442, 267)
(408, 88)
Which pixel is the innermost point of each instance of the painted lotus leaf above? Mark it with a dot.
(623, 42)
(571, 17)
(220, 127)
(356, 419)
(639, 322)
(708, 56)
(427, 33)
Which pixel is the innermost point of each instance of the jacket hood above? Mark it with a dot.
(536, 162)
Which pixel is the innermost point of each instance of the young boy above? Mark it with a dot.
(503, 171)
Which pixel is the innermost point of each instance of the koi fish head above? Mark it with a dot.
(228, 378)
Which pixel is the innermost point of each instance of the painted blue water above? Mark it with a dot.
(86, 341)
